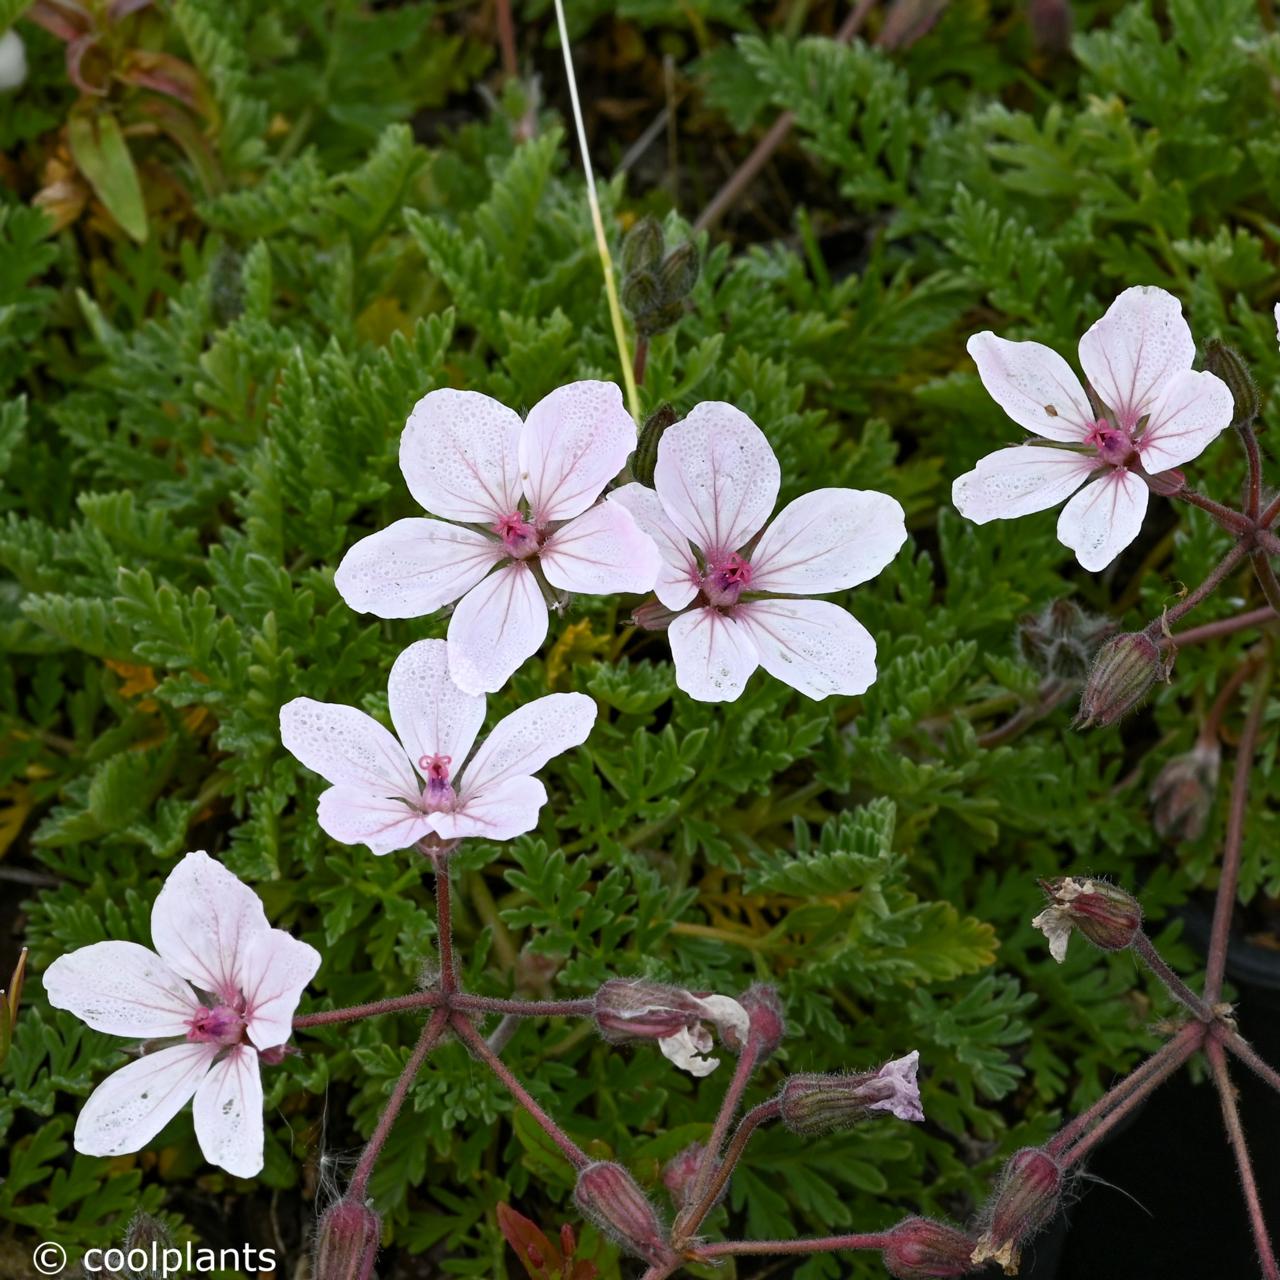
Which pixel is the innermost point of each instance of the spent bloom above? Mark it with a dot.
(519, 517)
(13, 60)
(737, 591)
(1145, 411)
(822, 1103)
(217, 994)
(1107, 916)
(389, 792)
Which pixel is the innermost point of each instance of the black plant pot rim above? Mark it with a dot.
(1247, 963)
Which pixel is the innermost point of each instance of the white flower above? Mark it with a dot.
(715, 485)
(13, 61)
(389, 793)
(1156, 413)
(222, 985)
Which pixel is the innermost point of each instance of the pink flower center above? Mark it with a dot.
(518, 536)
(439, 793)
(1113, 445)
(723, 583)
(220, 1025)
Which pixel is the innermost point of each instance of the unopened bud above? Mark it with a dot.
(641, 294)
(1183, 791)
(1227, 363)
(1028, 1196)
(149, 1237)
(679, 273)
(651, 323)
(922, 1249)
(1107, 916)
(645, 458)
(347, 1242)
(608, 1195)
(653, 615)
(766, 1025)
(822, 1103)
(643, 246)
(1061, 639)
(678, 1174)
(1051, 22)
(1123, 672)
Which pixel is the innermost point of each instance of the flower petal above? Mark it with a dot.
(713, 654)
(275, 969)
(574, 442)
(228, 1114)
(678, 574)
(1103, 518)
(413, 567)
(431, 714)
(812, 645)
(525, 740)
(122, 989)
(599, 552)
(1135, 348)
(905, 1100)
(687, 1047)
(385, 824)
(1187, 416)
(499, 812)
(1034, 385)
(828, 540)
(203, 920)
(497, 625)
(1019, 481)
(346, 747)
(459, 455)
(717, 477)
(133, 1104)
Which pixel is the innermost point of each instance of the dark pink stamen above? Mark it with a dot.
(435, 769)
(219, 1025)
(1113, 445)
(518, 536)
(724, 582)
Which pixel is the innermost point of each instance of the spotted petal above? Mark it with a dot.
(1103, 518)
(1019, 481)
(346, 747)
(1190, 412)
(678, 575)
(275, 970)
(1034, 385)
(431, 714)
(385, 824)
(499, 812)
(600, 552)
(713, 654)
(524, 741)
(497, 626)
(228, 1114)
(812, 645)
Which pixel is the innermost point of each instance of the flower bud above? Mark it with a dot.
(1107, 916)
(653, 615)
(1051, 22)
(1123, 672)
(643, 246)
(678, 1173)
(641, 294)
(645, 457)
(1227, 363)
(150, 1237)
(679, 273)
(820, 1104)
(1028, 1196)
(1060, 640)
(766, 1025)
(347, 1242)
(608, 1195)
(922, 1249)
(1182, 793)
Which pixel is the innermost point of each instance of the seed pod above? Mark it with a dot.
(1028, 1196)
(1183, 791)
(823, 1103)
(764, 1010)
(642, 1010)
(1123, 672)
(608, 1195)
(1105, 915)
(922, 1249)
(347, 1242)
(1229, 365)
(1060, 640)
(641, 294)
(679, 273)
(645, 458)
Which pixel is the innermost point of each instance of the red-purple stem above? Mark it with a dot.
(1145, 950)
(1253, 483)
(397, 1004)
(1266, 576)
(1156, 627)
(1223, 627)
(444, 927)
(823, 1244)
(1268, 517)
(1235, 522)
(1247, 1054)
(693, 1217)
(525, 1008)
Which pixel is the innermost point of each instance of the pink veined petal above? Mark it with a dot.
(122, 989)
(1135, 348)
(678, 573)
(1034, 385)
(524, 741)
(713, 653)
(459, 456)
(1019, 481)
(599, 552)
(495, 628)
(431, 714)
(228, 1114)
(346, 747)
(413, 567)
(202, 921)
(717, 477)
(499, 812)
(812, 645)
(385, 824)
(1190, 412)
(133, 1104)
(276, 968)
(1103, 518)
(828, 540)
(574, 442)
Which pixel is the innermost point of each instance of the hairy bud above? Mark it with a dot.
(1107, 916)
(1229, 365)
(1051, 22)
(641, 293)
(1123, 672)
(1182, 793)
(608, 1195)
(679, 273)
(766, 1029)
(820, 1104)
(643, 246)
(1061, 639)
(678, 1173)
(645, 458)
(150, 1237)
(1028, 1196)
(922, 1249)
(347, 1242)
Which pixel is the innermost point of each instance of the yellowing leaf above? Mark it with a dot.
(577, 643)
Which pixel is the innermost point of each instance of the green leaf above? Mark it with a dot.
(103, 156)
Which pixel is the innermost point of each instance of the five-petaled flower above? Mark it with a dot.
(221, 991)
(1146, 411)
(389, 794)
(522, 499)
(715, 484)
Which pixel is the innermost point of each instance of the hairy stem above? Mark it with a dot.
(822, 1244)
(507, 39)
(1223, 627)
(1253, 482)
(1266, 576)
(397, 1004)
(642, 357)
(1145, 950)
(444, 927)
(733, 1153)
(1156, 627)
(1272, 510)
(1232, 521)
(1247, 1054)
(525, 1008)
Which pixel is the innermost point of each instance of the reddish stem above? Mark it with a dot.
(1145, 950)
(1266, 576)
(824, 1244)
(444, 926)
(1223, 627)
(1272, 510)
(1235, 1134)
(525, 1008)
(733, 1153)
(1232, 521)
(1247, 1054)
(1253, 484)
(398, 1004)
(507, 39)
(1156, 627)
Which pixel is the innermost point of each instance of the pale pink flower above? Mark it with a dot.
(521, 497)
(715, 485)
(220, 994)
(389, 793)
(1146, 411)
(899, 1076)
